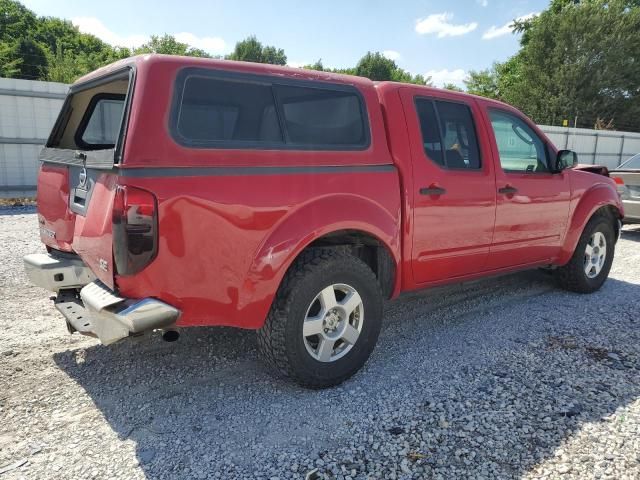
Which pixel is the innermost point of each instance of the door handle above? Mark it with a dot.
(433, 189)
(508, 190)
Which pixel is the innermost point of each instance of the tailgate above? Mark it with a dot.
(76, 183)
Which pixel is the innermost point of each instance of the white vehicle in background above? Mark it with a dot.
(627, 178)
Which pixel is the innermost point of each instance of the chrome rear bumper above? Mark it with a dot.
(89, 306)
(57, 272)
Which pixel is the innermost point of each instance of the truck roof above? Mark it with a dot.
(435, 91)
(147, 60)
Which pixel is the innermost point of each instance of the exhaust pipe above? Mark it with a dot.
(170, 335)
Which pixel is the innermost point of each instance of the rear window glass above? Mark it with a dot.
(314, 116)
(632, 163)
(214, 110)
(222, 110)
(103, 120)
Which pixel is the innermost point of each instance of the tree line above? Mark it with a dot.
(53, 49)
(578, 62)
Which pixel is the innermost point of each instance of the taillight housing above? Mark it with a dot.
(135, 229)
(623, 191)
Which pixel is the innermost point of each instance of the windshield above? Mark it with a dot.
(632, 163)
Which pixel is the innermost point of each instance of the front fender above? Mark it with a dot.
(595, 197)
(300, 228)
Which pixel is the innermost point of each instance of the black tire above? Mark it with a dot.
(281, 342)
(572, 276)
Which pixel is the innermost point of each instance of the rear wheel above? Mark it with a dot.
(325, 319)
(589, 266)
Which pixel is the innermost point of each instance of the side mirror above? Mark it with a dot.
(566, 159)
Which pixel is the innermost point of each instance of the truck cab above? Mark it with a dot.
(178, 192)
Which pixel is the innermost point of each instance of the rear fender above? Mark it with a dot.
(298, 230)
(596, 197)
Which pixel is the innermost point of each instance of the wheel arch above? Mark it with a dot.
(599, 199)
(360, 225)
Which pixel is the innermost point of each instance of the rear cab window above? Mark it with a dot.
(219, 109)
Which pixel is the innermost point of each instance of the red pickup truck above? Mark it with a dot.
(177, 192)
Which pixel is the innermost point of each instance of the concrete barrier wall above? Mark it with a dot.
(29, 108)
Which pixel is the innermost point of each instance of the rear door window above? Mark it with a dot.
(448, 134)
(430, 130)
(213, 109)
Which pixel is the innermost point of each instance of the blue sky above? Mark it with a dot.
(444, 39)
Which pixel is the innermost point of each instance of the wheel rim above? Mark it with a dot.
(333, 322)
(595, 254)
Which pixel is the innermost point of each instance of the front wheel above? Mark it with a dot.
(325, 319)
(589, 266)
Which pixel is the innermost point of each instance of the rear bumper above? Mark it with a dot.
(631, 211)
(57, 272)
(89, 306)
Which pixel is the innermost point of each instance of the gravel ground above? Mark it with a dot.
(502, 378)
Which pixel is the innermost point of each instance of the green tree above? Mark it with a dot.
(9, 65)
(376, 66)
(33, 45)
(34, 58)
(578, 58)
(483, 82)
(453, 87)
(168, 45)
(63, 67)
(252, 50)
(16, 21)
(315, 66)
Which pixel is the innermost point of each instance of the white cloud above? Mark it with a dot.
(482, 3)
(213, 45)
(440, 77)
(439, 23)
(391, 54)
(506, 29)
(94, 26)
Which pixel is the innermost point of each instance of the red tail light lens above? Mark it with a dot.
(135, 229)
(618, 180)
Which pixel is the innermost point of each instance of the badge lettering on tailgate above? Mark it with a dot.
(104, 265)
(47, 233)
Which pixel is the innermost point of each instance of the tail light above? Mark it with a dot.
(135, 229)
(623, 191)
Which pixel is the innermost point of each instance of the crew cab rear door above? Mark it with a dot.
(453, 185)
(533, 202)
